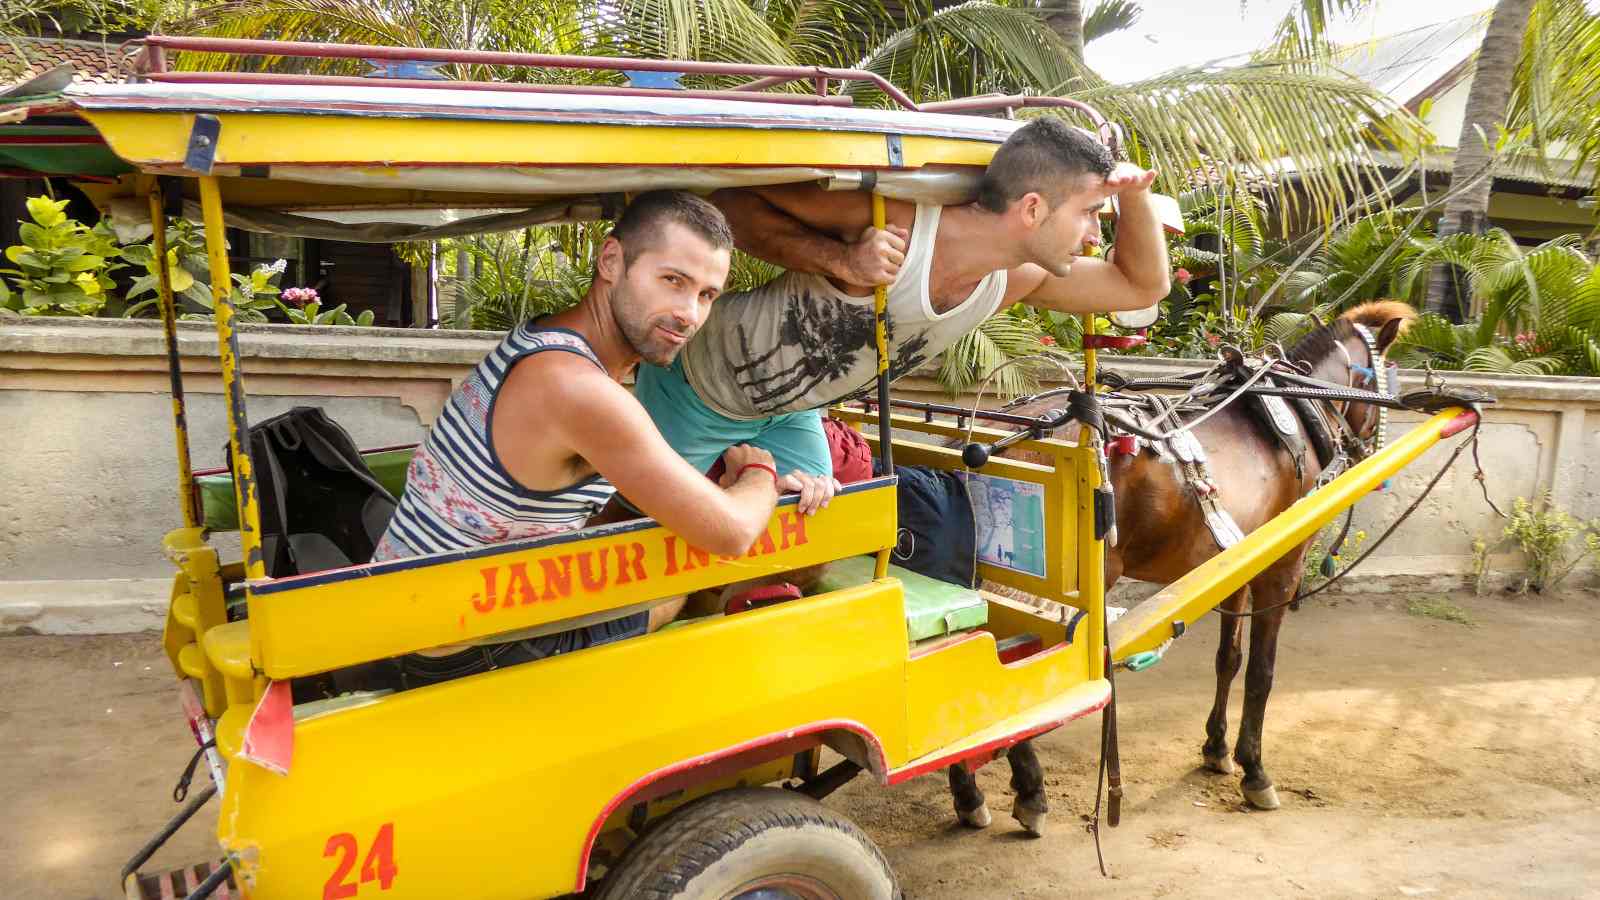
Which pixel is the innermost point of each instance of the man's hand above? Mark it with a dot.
(735, 458)
(875, 257)
(1129, 178)
(815, 490)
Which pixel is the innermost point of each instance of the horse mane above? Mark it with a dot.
(1373, 314)
(1377, 313)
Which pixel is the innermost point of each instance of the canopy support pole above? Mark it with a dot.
(880, 312)
(169, 325)
(244, 481)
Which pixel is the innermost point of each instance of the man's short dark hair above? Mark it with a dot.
(1044, 157)
(640, 226)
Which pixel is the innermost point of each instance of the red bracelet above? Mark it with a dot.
(763, 467)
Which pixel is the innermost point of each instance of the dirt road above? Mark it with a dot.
(1415, 758)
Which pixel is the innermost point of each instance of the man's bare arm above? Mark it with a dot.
(586, 413)
(806, 229)
(1140, 275)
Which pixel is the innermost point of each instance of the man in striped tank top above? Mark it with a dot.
(541, 434)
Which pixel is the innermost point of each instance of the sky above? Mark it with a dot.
(1174, 33)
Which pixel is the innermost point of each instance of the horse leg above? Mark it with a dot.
(971, 809)
(1229, 655)
(1027, 779)
(1267, 591)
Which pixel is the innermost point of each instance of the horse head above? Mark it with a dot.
(1351, 351)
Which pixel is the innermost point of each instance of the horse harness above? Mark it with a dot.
(1297, 423)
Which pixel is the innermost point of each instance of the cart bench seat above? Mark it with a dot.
(933, 608)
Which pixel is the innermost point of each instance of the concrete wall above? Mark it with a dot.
(87, 484)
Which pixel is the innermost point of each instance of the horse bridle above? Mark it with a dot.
(1361, 448)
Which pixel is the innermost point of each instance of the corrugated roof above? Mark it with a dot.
(93, 61)
(1407, 64)
(1523, 169)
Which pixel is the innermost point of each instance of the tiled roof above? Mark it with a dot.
(93, 61)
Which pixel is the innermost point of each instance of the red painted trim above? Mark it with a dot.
(1020, 650)
(910, 772)
(497, 86)
(52, 139)
(1463, 420)
(1113, 341)
(690, 771)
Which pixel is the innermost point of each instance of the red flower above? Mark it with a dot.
(1182, 275)
(1213, 340)
(1048, 341)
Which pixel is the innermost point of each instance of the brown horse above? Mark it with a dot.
(1163, 535)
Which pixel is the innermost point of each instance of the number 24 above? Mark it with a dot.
(378, 866)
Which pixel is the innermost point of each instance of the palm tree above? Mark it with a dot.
(1065, 18)
(1536, 82)
(1541, 308)
(1487, 102)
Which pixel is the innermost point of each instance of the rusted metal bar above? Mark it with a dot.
(306, 49)
(761, 84)
(1109, 132)
(511, 87)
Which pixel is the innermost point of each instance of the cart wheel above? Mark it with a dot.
(753, 844)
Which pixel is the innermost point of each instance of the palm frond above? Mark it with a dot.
(1109, 16)
(707, 30)
(973, 48)
(1317, 125)
(1303, 30)
(997, 341)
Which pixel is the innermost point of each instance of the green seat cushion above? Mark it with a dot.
(933, 607)
(222, 514)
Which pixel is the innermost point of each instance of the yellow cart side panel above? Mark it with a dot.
(962, 688)
(452, 781)
(160, 138)
(325, 621)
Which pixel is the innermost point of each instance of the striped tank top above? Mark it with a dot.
(458, 494)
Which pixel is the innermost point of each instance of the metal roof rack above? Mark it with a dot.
(151, 65)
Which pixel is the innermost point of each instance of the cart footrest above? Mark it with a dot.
(178, 883)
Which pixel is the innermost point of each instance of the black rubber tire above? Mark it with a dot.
(712, 847)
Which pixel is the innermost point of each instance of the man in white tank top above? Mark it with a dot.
(766, 360)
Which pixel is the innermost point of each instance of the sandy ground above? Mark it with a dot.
(1414, 757)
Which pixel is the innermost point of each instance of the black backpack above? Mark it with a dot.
(937, 535)
(321, 506)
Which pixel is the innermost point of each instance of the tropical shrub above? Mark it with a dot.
(187, 266)
(62, 267)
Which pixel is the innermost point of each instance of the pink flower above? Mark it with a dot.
(300, 296)
(1182, 275)
(1213, 340)
(1048, 341)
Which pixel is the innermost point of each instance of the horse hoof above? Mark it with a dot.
(1222, 765)
(1031, 818)
(1264, 798)
(975, 818)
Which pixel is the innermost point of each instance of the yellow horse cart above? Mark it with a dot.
(553, 777)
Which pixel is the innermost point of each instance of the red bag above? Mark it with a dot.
(852, 455)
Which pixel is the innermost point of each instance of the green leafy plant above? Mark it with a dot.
(62, 266)
(1544, 532)
(1480, 564)
(1439, 608)
(186, 263)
